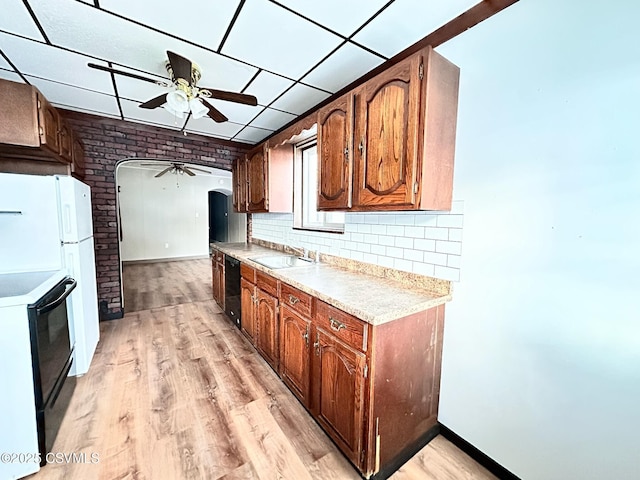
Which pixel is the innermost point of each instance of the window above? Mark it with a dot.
(306, 214)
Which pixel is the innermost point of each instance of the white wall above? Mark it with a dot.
(541, 367)
(426, 243)
(166, 217)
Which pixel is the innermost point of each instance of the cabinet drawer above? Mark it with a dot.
(295, 299)
(267, 283)
(342, 325)
(248, 272)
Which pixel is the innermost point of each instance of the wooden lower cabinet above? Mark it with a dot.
(338, 381)
(374, 389)
(295, 332)
(266, 314)
(247, 307)
(217, 277)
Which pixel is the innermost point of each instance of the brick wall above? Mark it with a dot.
(108, 141)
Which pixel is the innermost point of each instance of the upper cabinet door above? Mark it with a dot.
(48, 120)
(65, 140)
(335, 134)
(257, 181)
(239, 172)
(387, 116)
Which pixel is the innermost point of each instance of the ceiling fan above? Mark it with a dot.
(177, 168)
(185, 97)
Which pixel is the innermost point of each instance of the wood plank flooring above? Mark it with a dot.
(176, 392)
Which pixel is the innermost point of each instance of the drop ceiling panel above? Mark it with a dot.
(201, 22)
(236, 112)
(10, 75)
(15, 18)
(299, 99)
(41, 60)
(397, 27)
(270, 37)
(4, 64)
(267, 86)
(352, 14)
(252, 135)
(138, 90)
(117, 40)
(272, 119)
(157, 116)
(349, 60)
(73, 97)
(206, 126)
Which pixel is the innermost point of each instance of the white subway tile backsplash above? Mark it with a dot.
(387, 240)
(455, 234)
(414, 232)
(450, 221)
(373, 239)
(404, 265)
(436, 233)
(435, 258)
(426, 243)
(378, 249)
(423, 269)
(454, 248)
(404, 242)
(413, 255)
(395, 252)
(379, 229)
(426, 220)
(395, 230)
(453, 261)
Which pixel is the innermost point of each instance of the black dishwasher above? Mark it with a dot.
(232, 289)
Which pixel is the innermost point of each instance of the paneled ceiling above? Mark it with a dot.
(290, 54)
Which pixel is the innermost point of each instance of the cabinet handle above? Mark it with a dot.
(346, 151)
(316, 344)
(306, 337)
(293, 300)
(336, 324)
(361, 146)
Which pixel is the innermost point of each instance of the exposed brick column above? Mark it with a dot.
(108, 141)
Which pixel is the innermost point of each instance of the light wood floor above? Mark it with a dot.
(177, 393)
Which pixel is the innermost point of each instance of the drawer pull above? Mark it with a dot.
(336, 324)
(293, 300)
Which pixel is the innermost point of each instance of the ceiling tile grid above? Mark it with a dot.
(290, 54)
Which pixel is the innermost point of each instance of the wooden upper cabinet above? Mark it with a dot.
(335, 151)
(257, 194)
(65, 140)
(49, 120)
(239, 172)
(387, 115)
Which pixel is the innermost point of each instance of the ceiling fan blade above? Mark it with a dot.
(232, 96)
(126, 74)
(199, 170)
(214, 113)
(181, 66)
(188, 172)
(154, 102)
(163, 172)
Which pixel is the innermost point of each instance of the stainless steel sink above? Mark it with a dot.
(282, 261)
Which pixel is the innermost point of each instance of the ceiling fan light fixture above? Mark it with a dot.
(176, 113)
(198, 109)
(178, 101)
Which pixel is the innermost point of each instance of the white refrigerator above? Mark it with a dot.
(46, 224)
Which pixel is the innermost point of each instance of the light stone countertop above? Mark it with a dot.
(372, 299)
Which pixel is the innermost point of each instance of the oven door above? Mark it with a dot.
(50, 344)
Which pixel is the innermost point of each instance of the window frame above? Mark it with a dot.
(300, 222)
